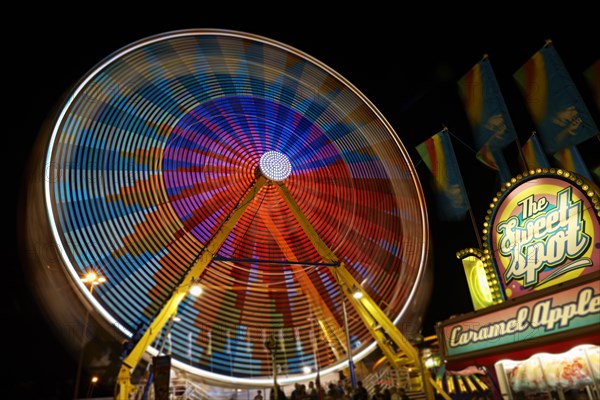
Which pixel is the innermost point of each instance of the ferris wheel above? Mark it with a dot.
(240, 164)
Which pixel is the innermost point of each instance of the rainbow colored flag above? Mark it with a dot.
(561, 117)
(438, 154)
(570, 159)
(488, 116)
(592, 76)
(495, 160)
(534, 154)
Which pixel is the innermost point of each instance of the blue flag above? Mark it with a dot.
(556, 107)
(534, 154)
(592, 76)
(438, 154)
(570, 159)
(488, 116)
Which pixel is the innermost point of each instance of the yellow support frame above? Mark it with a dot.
(377, 322)
(379, 325)
(124, 385)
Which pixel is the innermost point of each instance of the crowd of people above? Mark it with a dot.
(339, 391)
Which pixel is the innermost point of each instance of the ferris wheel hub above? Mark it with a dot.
(275, 165)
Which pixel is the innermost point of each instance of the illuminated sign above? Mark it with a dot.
(574, 308)
(544, 231)
(479, 288)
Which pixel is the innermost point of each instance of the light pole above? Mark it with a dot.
(93, 382)
(349, 345)
(93, 279)
(272, 347)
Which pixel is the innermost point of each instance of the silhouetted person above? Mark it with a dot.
(312, 391)
(377, 395)
(402, 394)
(361, 392)
(387, 394)
(280, 394)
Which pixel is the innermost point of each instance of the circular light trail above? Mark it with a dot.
(156, 146)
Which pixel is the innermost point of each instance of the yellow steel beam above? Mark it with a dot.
(382, 329)
(312, 294)
(324, 251)
(124, 385)
(379, 325)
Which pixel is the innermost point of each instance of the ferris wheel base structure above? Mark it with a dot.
(391, 341)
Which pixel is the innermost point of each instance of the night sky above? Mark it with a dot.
(408, 73)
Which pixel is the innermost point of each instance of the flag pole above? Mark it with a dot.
(472, 217)
(520, 148)
(475, 227)
(525, 163)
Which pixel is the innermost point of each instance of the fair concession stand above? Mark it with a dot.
(535, 287)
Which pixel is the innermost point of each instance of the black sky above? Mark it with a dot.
(406, 63)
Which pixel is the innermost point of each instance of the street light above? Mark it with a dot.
(93, 279)
(271, 345)
(93, 382)
(349, 344)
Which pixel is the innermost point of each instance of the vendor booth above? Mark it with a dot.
(535, 285)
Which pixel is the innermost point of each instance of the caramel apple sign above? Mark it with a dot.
(574, 309)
